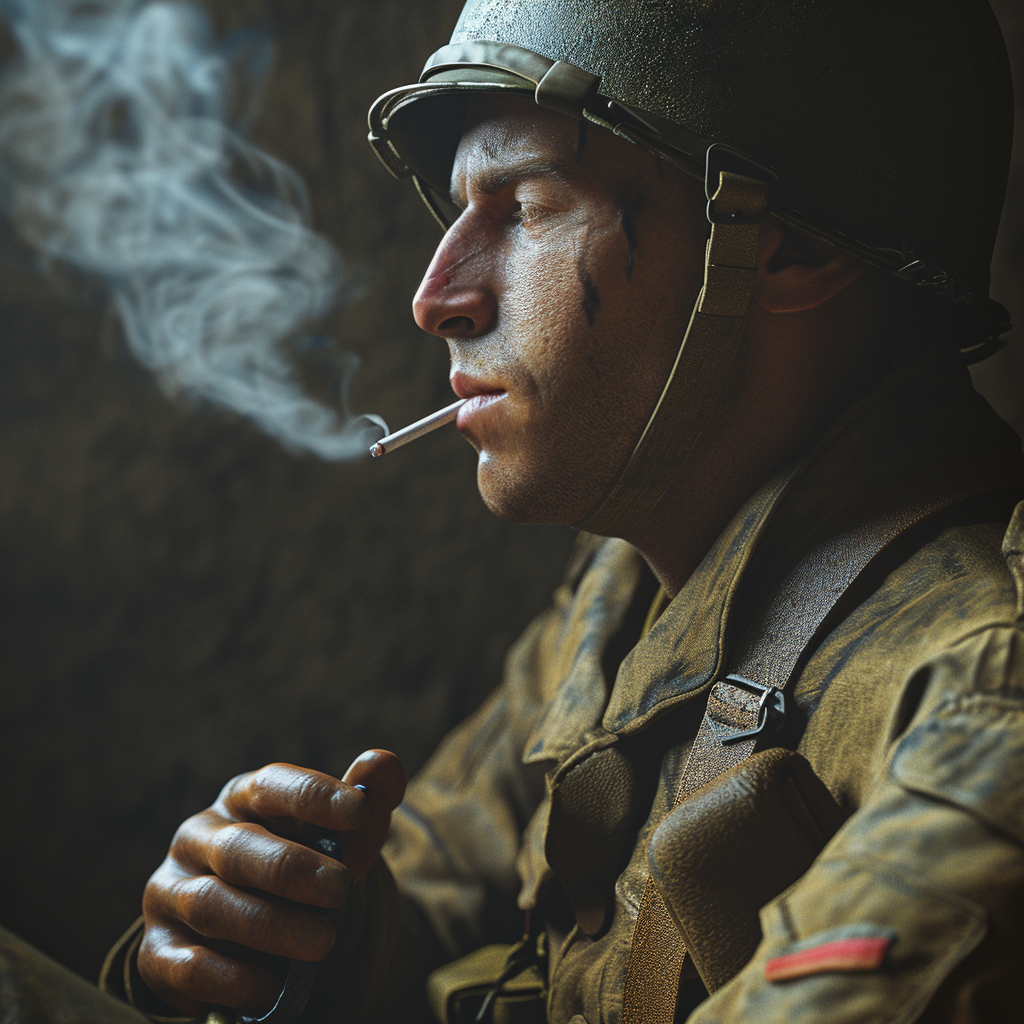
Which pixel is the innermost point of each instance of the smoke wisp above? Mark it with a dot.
(122, 155)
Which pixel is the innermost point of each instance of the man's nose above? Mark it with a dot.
(456, 298)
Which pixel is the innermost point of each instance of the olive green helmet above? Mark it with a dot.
(881, 126)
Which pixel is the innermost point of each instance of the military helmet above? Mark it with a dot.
(887, 123)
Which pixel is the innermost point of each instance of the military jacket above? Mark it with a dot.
(912, 711)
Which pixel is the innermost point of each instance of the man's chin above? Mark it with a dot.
(532, 502)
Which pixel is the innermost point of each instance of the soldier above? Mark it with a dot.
(762, 760)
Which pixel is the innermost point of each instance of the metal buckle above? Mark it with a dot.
(771, 709)
(720, 158)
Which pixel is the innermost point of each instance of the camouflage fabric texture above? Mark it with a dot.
(914, 709)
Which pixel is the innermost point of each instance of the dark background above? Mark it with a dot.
(182, 599)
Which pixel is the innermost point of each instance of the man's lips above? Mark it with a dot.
(470, 387)
(479, 394)
(475, 406)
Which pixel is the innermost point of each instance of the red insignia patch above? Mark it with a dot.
(863, 953)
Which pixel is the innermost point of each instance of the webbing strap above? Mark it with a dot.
(769, 655)
(702, 365)
(657, 955)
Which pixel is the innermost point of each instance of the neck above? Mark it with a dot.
(674, 538)
(777, 412)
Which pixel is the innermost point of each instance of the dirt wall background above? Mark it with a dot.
(182, 600)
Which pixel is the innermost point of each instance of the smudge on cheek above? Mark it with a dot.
(629, 230)
(591, 297)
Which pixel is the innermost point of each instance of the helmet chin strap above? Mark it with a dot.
(738, 205)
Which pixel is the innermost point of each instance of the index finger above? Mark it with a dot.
(287, 791)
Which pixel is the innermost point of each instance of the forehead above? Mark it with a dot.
(497, 129)
(509, 134)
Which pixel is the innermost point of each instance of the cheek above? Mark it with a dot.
(591, 306)
(560, 275)
(544, 300)
(649, 284)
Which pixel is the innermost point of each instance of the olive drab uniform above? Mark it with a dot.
(37, 990)
(910, 706)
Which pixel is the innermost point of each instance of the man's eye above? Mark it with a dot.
(527, 213)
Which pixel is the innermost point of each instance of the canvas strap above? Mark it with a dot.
(768, 659)
(702, 366)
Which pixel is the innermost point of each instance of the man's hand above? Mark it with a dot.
(238, 875)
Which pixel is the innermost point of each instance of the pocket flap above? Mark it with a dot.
(970, 753)
(732, 846)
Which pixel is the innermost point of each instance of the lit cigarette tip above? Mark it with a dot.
(417, 429)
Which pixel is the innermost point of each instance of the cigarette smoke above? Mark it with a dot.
(122, 156)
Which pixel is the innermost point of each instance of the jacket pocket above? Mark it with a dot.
(770, 807)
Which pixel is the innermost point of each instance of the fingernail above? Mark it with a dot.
(360, 787)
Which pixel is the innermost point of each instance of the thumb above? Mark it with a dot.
(381, 774)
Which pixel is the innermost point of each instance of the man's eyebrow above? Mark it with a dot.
(493, 180)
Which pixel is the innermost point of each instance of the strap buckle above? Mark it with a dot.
(771, 709)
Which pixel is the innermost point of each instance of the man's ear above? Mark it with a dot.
(796, 272)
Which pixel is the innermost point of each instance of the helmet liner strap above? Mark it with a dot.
(738, 205)
(566, 89)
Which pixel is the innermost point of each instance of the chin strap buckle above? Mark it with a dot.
(737, 186)
(738, 203)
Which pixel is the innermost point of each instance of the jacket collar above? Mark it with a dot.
(599, 606)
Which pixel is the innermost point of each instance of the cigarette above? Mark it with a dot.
(417, 429)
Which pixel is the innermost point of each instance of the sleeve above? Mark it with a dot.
(34, 988)
(915, 910)
(455, 839)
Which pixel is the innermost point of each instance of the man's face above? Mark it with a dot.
(563, 291)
